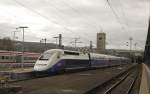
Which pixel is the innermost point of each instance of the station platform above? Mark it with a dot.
(145, 80)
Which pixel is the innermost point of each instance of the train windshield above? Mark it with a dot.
(46, 56)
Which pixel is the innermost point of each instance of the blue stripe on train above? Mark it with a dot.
(72, 63)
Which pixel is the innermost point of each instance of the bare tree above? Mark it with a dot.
(6, 44)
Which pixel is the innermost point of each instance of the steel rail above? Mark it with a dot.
(122, 75)
(131, 85)
(116, 84)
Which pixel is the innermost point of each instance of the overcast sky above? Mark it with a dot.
(119, 19)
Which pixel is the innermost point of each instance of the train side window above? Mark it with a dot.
(10, 57)
(25, 58)
(3, 57)
(71, 53)
(33, 58)
(7, 57)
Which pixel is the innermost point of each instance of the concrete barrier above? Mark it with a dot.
(145, 81)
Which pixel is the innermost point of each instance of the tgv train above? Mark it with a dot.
(55, 60)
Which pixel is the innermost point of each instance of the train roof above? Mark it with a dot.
(65, 51)
(70, 52)
(107, 56)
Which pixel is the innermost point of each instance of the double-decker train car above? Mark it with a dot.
(13, 58)
(56, 60)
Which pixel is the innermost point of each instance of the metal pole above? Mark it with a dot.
(130, 46)
(22, 65)
(56, 40)
(41, 46)
(45, 44)
(13, 48)
(75, 42)
(91, 46)
(22, 58)
(14, 37)
(135, 45)
(14, 45)
(135, 53)
(60, 40)
(130, 43)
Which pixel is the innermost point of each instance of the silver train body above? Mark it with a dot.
(56, 60)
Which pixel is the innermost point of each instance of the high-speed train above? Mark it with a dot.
(55, 60)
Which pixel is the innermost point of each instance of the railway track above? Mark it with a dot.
(121, 84)
(73, 83)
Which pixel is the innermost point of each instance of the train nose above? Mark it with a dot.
(40, 66)
(36, 68)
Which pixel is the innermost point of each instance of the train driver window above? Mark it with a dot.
(46, 56)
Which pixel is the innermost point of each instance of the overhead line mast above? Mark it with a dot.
(76, 40)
